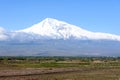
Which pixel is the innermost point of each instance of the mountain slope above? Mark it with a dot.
(55, 29)
(57, 38)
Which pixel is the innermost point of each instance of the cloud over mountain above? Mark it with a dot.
(55, 29)
(52, 37)
(3, 35)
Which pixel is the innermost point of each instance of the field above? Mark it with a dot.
(59, 68)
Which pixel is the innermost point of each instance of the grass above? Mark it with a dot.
(93, 68)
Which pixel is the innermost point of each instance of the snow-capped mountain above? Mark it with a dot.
(56, 29)
(51, 37)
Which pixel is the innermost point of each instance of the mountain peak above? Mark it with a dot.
(52, 22)
(56, 29)
(50, 19)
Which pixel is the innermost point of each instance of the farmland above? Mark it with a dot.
(59, 68)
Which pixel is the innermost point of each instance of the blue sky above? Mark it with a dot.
(93, 15)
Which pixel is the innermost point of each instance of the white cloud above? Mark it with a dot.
(2, 30)
(3, 35)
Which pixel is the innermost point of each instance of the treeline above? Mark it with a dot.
(59, 58)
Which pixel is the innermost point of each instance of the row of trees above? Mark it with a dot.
(59, 58)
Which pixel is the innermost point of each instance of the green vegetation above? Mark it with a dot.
(59, 62)
(89, 68)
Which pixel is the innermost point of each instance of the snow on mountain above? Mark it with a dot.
(55, 29)
(3, 35)
(40, 40)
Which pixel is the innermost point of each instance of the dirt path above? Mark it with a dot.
(29, 72)
(61, 74)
